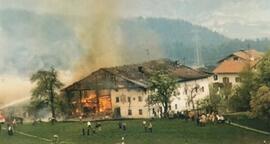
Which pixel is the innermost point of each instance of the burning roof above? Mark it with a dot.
(136, 74)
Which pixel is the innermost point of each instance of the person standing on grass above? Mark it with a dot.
(98, 126)
(80, 117)
(145, 126)
(124, 126)
(83, 131)
(10, 130)
(150, 127)
(88, 124)
(120, 124)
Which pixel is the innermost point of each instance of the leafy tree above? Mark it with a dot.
(240, 99)
(212, 102)
(192, 95)
(264, 70)
(162, 88)
(260, 103)
(46, 90)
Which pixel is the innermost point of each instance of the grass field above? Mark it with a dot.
(164, 132)
(244, 119)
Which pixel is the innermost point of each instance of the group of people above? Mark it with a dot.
(91, 128)
(146, 125)
(210, 117)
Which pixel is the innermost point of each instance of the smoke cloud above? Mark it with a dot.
(98, 37)
(77, 38)
(12, 87)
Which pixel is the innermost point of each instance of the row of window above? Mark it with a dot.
(226, 79)
(117, 99)
(197, 89)
(130, 112)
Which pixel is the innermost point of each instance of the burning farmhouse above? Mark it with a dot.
(122, 91)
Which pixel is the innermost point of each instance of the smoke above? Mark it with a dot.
(13, 87)
(98, 36)
(77, 37)
(105, 42)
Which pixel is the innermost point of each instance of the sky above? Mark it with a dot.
(234, 18)
(31, 43)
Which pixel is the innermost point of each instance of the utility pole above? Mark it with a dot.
(197, 50)
(148, 58)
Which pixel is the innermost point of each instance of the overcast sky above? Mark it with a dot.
(233, 18)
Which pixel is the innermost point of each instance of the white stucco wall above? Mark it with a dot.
(232, 78)
(135, 105)
(178, 102)
(184, 92)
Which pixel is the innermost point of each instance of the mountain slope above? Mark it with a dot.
(30, 41)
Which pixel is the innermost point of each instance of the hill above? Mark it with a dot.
(32, 41)
(178, 39)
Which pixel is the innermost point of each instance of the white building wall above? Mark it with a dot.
(219, 78)
(134, 105)
(178, 102)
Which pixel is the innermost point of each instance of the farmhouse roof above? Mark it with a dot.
(139, 73)
(246, 58)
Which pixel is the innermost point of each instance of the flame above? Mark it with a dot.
(94, 103)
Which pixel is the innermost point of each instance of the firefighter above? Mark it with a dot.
(10, 130)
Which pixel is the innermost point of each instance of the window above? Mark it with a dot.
(117, 99)
(185, 92)
(129, 99)
(235, 58)
(134, 99)
(237, 79)
(140, 112)
(170, 108)
(202, 89)
(140, 99)
(129, 112)
(175, 106)
(226, 80)
(215, 77)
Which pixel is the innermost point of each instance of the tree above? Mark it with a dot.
(46, 90)
(212, 102)
(192, 96)
(240, 99)
(264, 70)
(260, 103)
(162, 88)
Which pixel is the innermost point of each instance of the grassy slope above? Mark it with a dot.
(171, 132)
